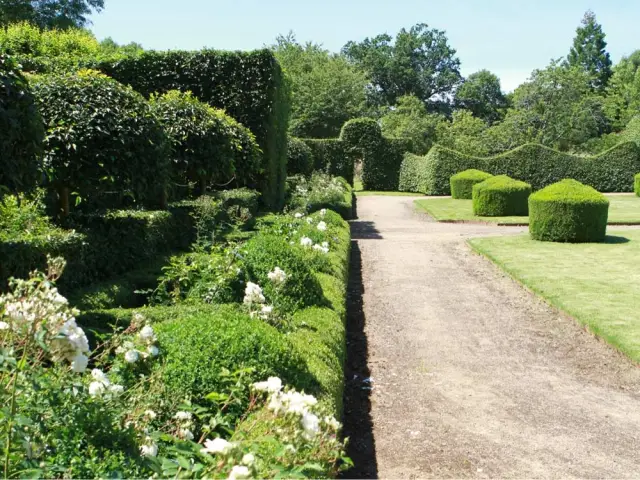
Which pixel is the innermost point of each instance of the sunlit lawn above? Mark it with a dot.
(624, 209)
(598, 284)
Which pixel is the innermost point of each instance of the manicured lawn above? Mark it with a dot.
(624, 209)
(357, 187)
(597, 284)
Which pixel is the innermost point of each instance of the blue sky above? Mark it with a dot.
(510, 38)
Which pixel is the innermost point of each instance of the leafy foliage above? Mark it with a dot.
(326, 90)
(299, 157)
(589, 51)
(636, 185)
(410, 119)
(500, 196)
(568, 211)
(319, 192)
(462, 183)
(330, 156)
(21, 130)
(481, 94)
(27, 39)
(419, 62)
(208, 146)
(101, 137)
(49, 13)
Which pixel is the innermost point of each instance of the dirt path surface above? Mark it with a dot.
(472, 376)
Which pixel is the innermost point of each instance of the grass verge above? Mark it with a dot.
(623, 210)
(595, 283)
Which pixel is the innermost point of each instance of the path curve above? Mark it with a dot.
(472, 375)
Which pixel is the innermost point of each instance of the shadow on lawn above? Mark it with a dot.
(358, 425)
(614, 239)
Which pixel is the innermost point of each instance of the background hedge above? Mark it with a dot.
(330, 156)
(21, 130)
(462, 183)
(636, 184)
(611, 171)
(501, 196)
(102, 142)
(568, 211)
(299, 157)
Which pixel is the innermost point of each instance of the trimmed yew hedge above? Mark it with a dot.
(568, 211)
(636, 184)
(610, 171)
(501, 196)
(462, 183)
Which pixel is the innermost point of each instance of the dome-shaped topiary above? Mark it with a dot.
(208, 145)
(299, 157)
(500, 196)
(462, 183)
(21, 130)
(636, 184)
(568, 211)
(101, 138)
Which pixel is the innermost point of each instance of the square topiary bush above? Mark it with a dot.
(462, 183)
(568, 211)
(501, 196)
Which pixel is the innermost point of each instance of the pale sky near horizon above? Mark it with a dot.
(509, 38)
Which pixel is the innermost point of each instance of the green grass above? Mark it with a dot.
(596, 283)
(624, 209)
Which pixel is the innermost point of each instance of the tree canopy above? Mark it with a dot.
(60, 14)
(589, 51)
(482, 95)
(418, 62)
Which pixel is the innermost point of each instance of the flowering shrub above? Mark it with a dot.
(318, 192)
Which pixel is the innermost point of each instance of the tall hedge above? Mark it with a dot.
(209, 148)
(102, 142)
(249, 86)
(611, 171)
(21, 130)
(330, 156)
(299, 157)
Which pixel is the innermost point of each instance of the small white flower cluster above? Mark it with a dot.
(101, 386)
(146, 343)
(30, 309)
(149, 448)
(253, 294)
(299, 215)
(222, 447)
(295, 403)
(185, 421)
(307, 242)
(278, 276)
(322, 226)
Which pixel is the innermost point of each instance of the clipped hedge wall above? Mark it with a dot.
(462, 183)
(636, 184)
(568, 211)
(330, 156)
(413, 173)
(21, 130)
(299, 157)
(611, 171)
(501, 196)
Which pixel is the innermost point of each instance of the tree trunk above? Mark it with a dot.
(203, 185)
(63, 197)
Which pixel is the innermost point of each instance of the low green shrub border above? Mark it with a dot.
(501, 196)
(462, 183)
(344, 209)
(568, 211)
(636, 185)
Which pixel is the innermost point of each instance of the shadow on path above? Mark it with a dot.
(358, 425)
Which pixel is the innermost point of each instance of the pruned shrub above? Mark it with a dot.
(263, 253)
(500, 196)
(330, 156)
(208, 146)
(101, 138)
(462, 183)
(636, 184)
(299, 157)
(21, 130)
(568, 211)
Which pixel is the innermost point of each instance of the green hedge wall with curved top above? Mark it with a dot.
(611, 171)
(568, 211)
(462, 183)
(249, 86)
(501, 196)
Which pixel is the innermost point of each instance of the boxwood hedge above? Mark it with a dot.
(610, 171)
(500, 196)
(568, 211)
(636, 184)
(21, 130)
(462, 183)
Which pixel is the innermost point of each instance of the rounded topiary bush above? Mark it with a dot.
(636, 184)
(568, 211)
(263, 253)
(101, 138)
(21, 130)
(462, 183)
(208, 146)
(299, 157)
(501, 196)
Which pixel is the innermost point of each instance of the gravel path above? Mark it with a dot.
(472, 376)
